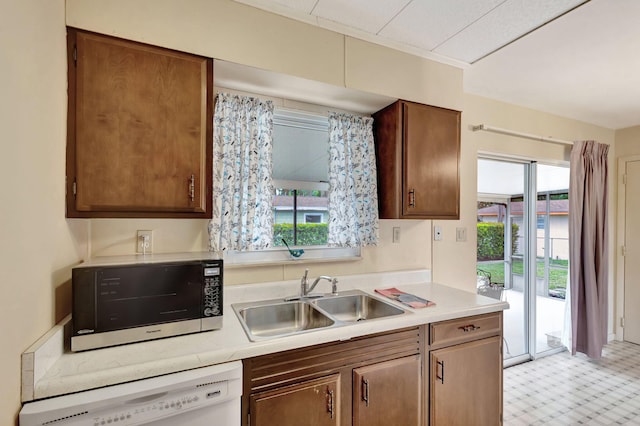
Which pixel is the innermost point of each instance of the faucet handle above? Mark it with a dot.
(334, 286)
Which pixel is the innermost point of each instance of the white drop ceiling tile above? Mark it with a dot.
(504, 24)
(305, 6)
(428, 23)
(366, 15)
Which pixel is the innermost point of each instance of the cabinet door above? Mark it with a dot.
(139, 129)
(312, 403)
(466, 384)
(388, 393)
(431, 150)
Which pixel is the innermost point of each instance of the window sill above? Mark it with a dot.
(275, 257)
(237, 265)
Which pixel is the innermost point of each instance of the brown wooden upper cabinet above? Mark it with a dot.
(140, 130)
(418, 161)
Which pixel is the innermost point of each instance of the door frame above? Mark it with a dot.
(620, 238)
(529, 326)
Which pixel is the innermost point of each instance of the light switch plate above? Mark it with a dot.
(396, 234)
(461, 235)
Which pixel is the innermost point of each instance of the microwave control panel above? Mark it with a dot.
(212, 291)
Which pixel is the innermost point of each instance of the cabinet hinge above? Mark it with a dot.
(248, 419)
(622, 322)
(75, 55)
(624, 179)
(624, 251)
(75, 188)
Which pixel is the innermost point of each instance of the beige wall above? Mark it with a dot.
(628, 141)
(37, 245)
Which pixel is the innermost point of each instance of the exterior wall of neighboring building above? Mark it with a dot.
(558, 227)
(286, 216)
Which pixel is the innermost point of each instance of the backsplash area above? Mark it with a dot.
(115, 237)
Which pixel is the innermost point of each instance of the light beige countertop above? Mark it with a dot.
(50, 370)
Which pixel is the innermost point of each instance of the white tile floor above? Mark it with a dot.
(565, 390)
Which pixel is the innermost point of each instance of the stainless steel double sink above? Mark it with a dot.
(271, 319)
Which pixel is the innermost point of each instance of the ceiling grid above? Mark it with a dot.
(573, 58)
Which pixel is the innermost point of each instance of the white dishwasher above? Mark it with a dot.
(203, 396)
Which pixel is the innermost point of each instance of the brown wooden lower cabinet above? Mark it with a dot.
(394, 378)
(466, 372)
(313, 402)
(388, 393)
(373, 380)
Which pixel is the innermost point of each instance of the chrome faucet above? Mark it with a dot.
(304, 283)
(305, 290)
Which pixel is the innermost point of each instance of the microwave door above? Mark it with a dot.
(133, 297)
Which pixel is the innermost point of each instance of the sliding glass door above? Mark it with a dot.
(552, 254)
(522, 222)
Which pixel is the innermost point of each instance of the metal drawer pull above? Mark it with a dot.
(469, 327)
(330, 406)
(441, 377)
(192, 187)
(365, 392)
(412, 198)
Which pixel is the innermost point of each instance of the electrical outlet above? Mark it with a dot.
(396, 234)
(144, 242)
(437, 233)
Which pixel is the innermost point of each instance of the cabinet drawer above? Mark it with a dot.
(460, 330)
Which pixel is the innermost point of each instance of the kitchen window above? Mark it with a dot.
(301, 175)
(300, 198)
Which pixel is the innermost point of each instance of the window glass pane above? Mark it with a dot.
(300, 217)
(312, 218)
(300, 172)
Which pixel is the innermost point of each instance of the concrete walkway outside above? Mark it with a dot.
(550, 319)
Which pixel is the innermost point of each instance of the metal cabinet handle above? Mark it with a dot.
(412, 198)
(192, 187)
(330, 403)
(441, 377)
(365, 392)
(470, 327)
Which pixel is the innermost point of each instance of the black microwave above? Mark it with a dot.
(118, 304)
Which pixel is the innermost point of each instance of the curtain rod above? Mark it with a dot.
(519, 134)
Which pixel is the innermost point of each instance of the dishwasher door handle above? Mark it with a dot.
(147, 398)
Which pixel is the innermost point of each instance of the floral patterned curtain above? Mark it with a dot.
(353, 194)
(242, 183)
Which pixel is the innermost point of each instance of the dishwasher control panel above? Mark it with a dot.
(140, 412)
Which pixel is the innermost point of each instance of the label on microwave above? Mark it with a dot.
(209, 272)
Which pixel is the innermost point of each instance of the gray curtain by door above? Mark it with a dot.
(588, 247)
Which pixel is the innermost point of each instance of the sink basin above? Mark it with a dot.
(280, 319)
(356, 307)
(269, 319)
